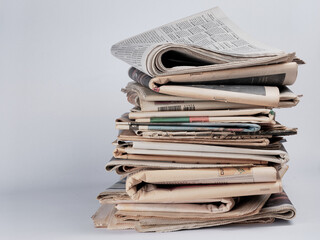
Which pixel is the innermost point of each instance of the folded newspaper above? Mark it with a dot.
(223, 211)
(261, 141)
(260, 115)
(238, 91)
(204, 42)
(136, 188)
(199, 151)
(147, 100)
(128, 166)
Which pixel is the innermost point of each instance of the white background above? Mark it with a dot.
(60, 93)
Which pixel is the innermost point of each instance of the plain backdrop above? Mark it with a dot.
(60, 93)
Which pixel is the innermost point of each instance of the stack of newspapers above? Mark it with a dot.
(201, 146)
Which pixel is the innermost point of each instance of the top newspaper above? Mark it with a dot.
(209, 38)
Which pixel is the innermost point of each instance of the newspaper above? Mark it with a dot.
(206, 193)
(238, 92)
(121, 154)
(217, 206)
(197, 156)
(188, 106)
(259, 91)
(193, 126)
(127, 166)
(260, 115)
(270, 75)
(218, 175)
(246, 206)
(202, 42)
(278, 206)
(106, 212)
(202, 126)
(212, 134)
(200, 150)
(109, 217)
(265, 139)
(117, 193)
(274, 143)
(178, 184)
(147, 100)
(250, 210)
(240, 141)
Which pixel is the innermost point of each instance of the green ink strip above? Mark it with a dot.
(169, 119)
